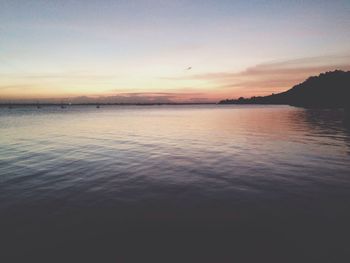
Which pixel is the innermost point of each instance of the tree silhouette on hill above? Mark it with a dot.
(330, 89)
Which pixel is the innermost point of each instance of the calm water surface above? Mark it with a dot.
(100, 172)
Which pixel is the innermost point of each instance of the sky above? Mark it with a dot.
(166, 50)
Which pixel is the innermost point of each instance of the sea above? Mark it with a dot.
(174, 183)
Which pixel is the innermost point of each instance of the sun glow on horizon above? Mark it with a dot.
(169, 51)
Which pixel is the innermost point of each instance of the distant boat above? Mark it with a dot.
(62, 106)
(38, 106)
(97, 106)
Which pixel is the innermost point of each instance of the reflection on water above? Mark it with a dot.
(101, 169)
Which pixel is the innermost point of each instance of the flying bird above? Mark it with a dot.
(189, 68)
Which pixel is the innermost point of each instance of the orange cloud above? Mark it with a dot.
(272, 77)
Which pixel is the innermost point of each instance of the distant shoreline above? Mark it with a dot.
(327, 90)
(100, 104)
(65, 105)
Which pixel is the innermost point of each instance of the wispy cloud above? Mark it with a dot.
(145, 97)
(271, 77)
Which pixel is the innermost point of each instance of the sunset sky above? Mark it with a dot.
(166, 50)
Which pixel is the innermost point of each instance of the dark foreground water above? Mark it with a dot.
(174, 184)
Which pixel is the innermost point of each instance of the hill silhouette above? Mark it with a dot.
(328, 90)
